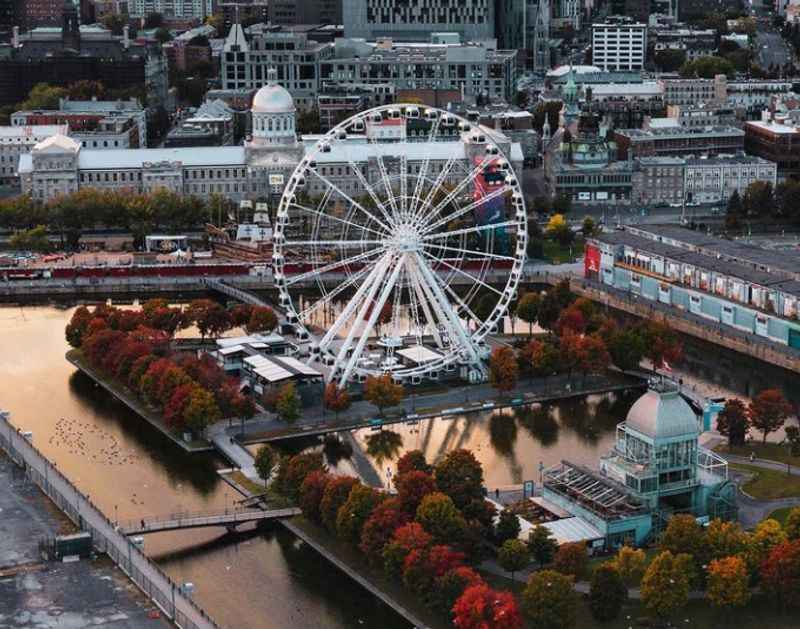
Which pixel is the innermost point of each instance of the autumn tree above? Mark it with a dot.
(449, 587)
(503, 369)
(412, 487)
(481, 607)
(413, 460)
(733, 422)
(201, 411)
(662, 344)
(174, 411)
(780, 574)
(460, 475)
(607, 593)
(293, 471)
(528, 309)
(209, 317)
(548, 600)
(768, 411)
(760, 542)
(559, 230)
(665, 585)
(406, 539)
(440, 517)
(722, 539)
(287, 404)
(336, 399)
(630, 563)
(262, 319)
(513, 556)
(77, 326)
(312, 489)
(265, 461)
(379, 528)
(791, 525)
(572, 559)
(240, 314)
(682, 535)
(355, 511)
(336, 493)
(728, 583)
(383, 392)
(542, 545)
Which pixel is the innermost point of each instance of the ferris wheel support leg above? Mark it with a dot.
(426, 307)
(373, 317)
(455, 323)
(354, 302)
(381, 270)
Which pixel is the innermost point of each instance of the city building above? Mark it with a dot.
(61, 56)
(754, 96)
(172, 9)
(694, 42)
(625, 106)
(184, 52)
(586, 76)
(726, 283)
(777, 142)
(678, 141)
(658, 181)
(213, 124)
(715, 179)
(19, 140)
(30, 14)
(242, 12)
(416, 20)
(695, 91)
(95, 123)
(657, 468)
(524, 25)
(619, 43)
(703, 115)
(291, 12)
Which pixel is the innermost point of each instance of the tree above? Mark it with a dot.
(265, 461)
(721, 539)
(413, 460)
(201, 411)
(562, 204)
(379, 528)
(571, 559)
(513, 556)
(528, 309)
(780, 574)
(287, 404)
(768, 411)
(460, 475)
(589, 228)
(240, 314)
(175, 409)
(449, 587)
(670, 60)
(412, 487)
(34, 239)
(792, 524)
(759, 198)
(759, 543)
(662, 344)
(607, 593)
(43, 96)
(481, 607)
(355, 511)
(503, 369)
(383, 392)
(626, 347)
(336, 494)
(793, 439)
(440, 517)
(507, 526)
(262, 319)
(312, 490)
(733, 422)
(593, 356)
(77, 326)
(665, 585)
(707, 68)
(728, 583)
(542, 545)
(336, 399)
(209, 317)
(682, 535)
(559, 230)
(548, 600)
(630, 563)
(293, 471)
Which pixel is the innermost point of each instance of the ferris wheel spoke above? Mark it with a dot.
(387, 184)
(447, 288)
(336, 219)
(373, 317)
(458, 189)
(470, 230)
(437, 184)
(466, 209)
(479, 254)
(422, 300)
(348, 198)
(325, 299)
(472, 278)
(332, 243)
(370, 191)
(423, 170)
(334, 265)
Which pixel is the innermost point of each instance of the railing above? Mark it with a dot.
(147, 576)
(224, 517)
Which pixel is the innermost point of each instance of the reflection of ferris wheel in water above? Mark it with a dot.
(417, 246)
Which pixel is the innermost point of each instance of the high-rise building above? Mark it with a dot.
(619, 43)
(415, 20)
(33, 13)
(176, 9)
(525, 25)
(291, 12)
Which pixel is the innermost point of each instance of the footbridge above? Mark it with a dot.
(244, 296)
(228, 518)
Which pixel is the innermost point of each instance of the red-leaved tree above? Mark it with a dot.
(481, 607)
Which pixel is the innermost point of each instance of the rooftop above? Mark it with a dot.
(681, 131)
(662, 413)
(773, 127)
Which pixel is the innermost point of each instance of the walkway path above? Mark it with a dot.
(232, 450)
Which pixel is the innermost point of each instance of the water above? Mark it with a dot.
(265, 579)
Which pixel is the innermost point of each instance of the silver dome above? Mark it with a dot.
(662, 413)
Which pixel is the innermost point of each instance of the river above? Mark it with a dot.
(267, 579)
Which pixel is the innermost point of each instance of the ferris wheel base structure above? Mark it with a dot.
(381, 228)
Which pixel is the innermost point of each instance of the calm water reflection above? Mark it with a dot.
(130, 470)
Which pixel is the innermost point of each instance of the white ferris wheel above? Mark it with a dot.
(399, 243)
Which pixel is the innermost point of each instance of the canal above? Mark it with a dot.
(266, 579)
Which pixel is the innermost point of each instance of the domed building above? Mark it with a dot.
(656, 469)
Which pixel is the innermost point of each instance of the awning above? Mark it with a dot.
(574, 529)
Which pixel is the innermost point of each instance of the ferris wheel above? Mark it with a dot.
(399, 243)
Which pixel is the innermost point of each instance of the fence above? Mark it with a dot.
(105, 536)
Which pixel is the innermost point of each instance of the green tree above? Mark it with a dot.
(265, 461)
(665, 586)
(507, 526)
(43, 96)
(440, 517)
(513, 556)
(287, 404)
(548, 601)
(460, 475)
(542, 545)
(589, 228)
(559, 230)
(759, 199)
(607, 593)
(670, 60)
(707, 68)
(528, 309)
(34, 239)
(353, 514)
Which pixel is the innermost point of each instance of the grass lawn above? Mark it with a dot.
(560, 254)
(770, 451)
(769, 484)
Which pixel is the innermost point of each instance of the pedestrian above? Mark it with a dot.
(497, 493)
(142, 522)
(752, 457)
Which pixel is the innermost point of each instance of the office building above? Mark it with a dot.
(19, 140)
(658, 181)
(619, 43)
(775, 140)
(172, 9)
(715, 179)
(695, 91)
(678, 141)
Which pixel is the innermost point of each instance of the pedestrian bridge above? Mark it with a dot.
(228, 518)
